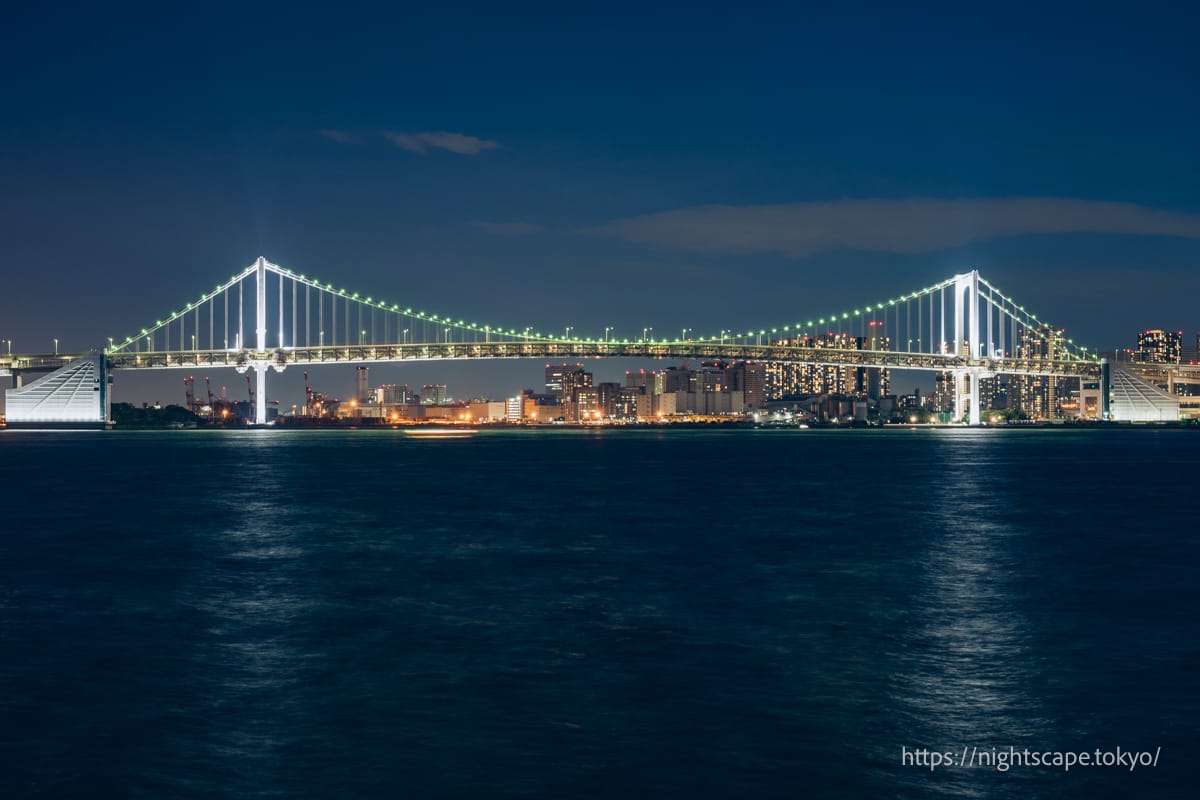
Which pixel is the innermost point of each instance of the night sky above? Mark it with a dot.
(565, 165)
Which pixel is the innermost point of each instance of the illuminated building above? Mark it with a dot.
(1039, 396)
(74, 396)
(608, 395)
(392, 394)
(942, 401)
(874, 382)
(586, 404)
(561, 379)
(993, 394)
(633, 402)
(749, 378)
(434, 394)
(781, 379)
(565, 383)
(1159, 347)
(792, 380)
(487, 411)
(513, 408)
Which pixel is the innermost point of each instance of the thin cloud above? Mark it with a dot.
(341, 137)
(510, 228)
(916, 225)
(422, 142)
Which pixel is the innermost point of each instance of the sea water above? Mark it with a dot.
(596, 613)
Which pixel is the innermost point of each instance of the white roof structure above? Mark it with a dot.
(75, 395)
(1134, 399)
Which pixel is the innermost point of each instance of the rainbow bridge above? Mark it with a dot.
(267, 318)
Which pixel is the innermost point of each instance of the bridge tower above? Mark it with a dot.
(260, 361)
(967, 343)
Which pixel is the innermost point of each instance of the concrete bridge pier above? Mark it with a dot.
(976, 416)
(260, 398)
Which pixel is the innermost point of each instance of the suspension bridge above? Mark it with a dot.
(267, 318)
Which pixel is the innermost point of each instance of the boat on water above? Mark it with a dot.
(441, 433)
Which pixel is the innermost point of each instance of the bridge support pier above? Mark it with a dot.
(974, 398)
(1105, 390)
(260, 393)
(960, 399)
(966, 396)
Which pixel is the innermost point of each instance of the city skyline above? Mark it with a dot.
(721, 171)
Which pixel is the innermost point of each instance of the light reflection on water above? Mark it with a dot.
(968, 677)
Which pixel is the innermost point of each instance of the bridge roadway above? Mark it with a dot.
(555, 350)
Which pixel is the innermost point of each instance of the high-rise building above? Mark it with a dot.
(875, 382)
(434, 394)
(1159, 347)
(586, 405)
(943, 393)
(564, 382)
(993, 394)
(513, 407)
(781, 379)
(362, 385)
(608, 396)
(1039, 396)
(633, 402)
(554, 378)
(749, 378)
(396, 394)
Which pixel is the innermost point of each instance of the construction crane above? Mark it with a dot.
(208, 388)
(187, 392)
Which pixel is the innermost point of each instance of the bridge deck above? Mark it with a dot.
(342, 354)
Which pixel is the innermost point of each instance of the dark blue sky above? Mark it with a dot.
(147, 154)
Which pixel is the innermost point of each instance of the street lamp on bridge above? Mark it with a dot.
(9, 343)
(56, 347)
(645, 333)
(607, 329)
(683, 334)
(321, 340)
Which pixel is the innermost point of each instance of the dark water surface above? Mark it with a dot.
(272, 614)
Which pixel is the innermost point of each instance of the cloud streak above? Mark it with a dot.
(915, 225)
(422, 142)
(341, 137)
(509, 228)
